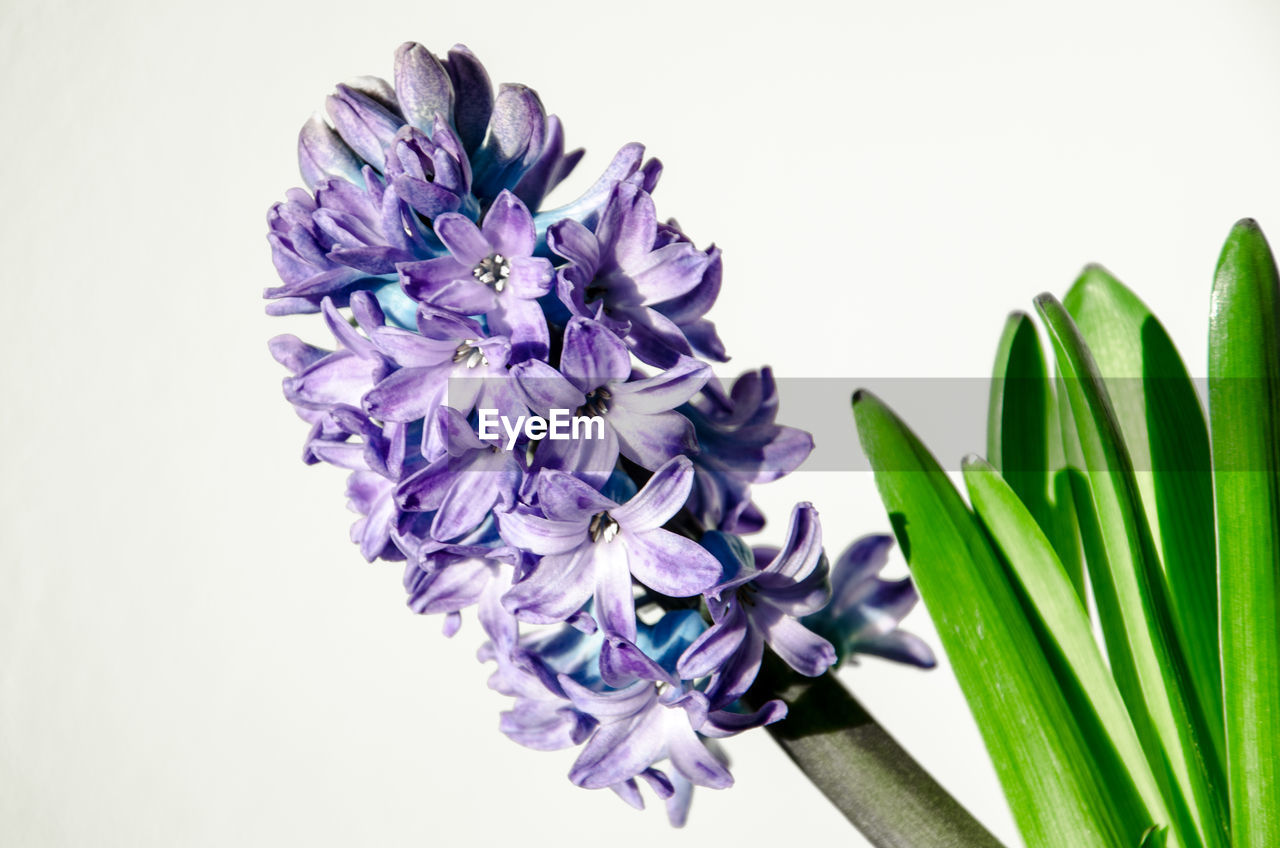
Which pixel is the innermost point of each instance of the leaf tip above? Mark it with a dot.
(1044, 299)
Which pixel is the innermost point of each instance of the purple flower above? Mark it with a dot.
(864, 614)
(449, 361)
(464, 484)
(591, 545)
(640, 420)
(491, 270)
(652, 717)
(542, 717)
(431, 172)
(622, 271)
(739, 445)
(420, 241)
(342, 377)
(455, 577)
(366, 120)
(765, 595)
(524, 149)
(349, 233)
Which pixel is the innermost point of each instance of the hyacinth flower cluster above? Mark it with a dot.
(625, 613)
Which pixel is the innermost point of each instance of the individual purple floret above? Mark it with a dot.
(651, 717)
(491, 271)
(766, 592)
(592, 546)
(464, 484)
(625, 615)
(595, 377)
(865, 611)
(621, 274)
(740, 444)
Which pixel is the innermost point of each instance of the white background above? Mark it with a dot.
(190, 651)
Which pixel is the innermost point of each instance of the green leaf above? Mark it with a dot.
(1153, 838)
(1166, 689)
(1022, 438)
(1040, 756)
(1062, 625)
(1244, 410)
(1164, 430)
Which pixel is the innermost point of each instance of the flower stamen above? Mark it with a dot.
(597, 402)
(470, 354)
(603, 527)
(493, 271)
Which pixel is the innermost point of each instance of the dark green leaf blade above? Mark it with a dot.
(1022, 438)
(1244, 410)
(1167, 690)
(1164, 430)
(1059, 619)
(1039, 753)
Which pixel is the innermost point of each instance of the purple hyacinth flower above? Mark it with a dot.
(323, 155)
(364, 123)
(523, 150)
(620, 272)
(456, 577)
(491, 270)
(340, 378)
(348, 233)
(762, 603)
(431, 172)
(542, 717)
(688, 310)
(299, 250)
(865, 611)
(651, 717)
(299, 356)
(640, 420)
(449, 362)
(740, 445)
(463, 485)
(591, 545)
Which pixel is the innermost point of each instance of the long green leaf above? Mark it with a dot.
(1021, 438)
(1244, 410)
(1039, 753)
(1067, 639)
(1164, 430)
(1150, 634)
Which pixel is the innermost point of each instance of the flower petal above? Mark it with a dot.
(422, 86)
(670, 564)
(541, 536)
(555, 589)
(508, 227)
(801, 648)
(661, 498)
(690, 757)
(593, 355)
(717, 644)
(651, 440)
(615, 607)
(664, 391)
(463, 238)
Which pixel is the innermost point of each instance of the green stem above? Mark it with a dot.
(871, 779)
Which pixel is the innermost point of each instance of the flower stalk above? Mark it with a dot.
(861, 769)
